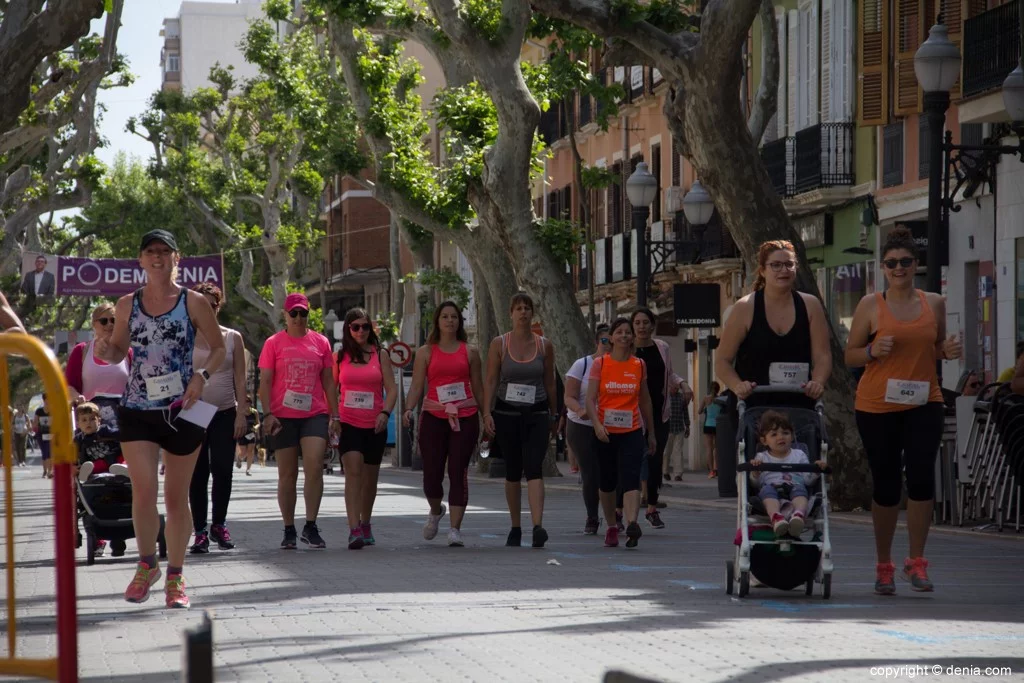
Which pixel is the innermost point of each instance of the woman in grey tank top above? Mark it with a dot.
(520, 410)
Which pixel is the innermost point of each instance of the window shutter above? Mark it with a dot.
(793, 52)
(804, 69)
(782, 106)
(677, 168)
(952, 14)
(907, 38)
(813, 61)
(873, 67)
(656, 171)
(843, 45)
(567, 208)
(827, 57)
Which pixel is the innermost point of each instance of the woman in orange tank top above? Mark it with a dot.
(617, 396)
(900, 336)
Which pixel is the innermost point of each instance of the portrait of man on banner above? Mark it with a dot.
(38, 275)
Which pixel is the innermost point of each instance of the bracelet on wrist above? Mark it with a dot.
(867, 350)
(384, 412)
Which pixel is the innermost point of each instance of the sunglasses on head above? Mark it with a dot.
(904, 262)
(296, 312)
(104, 321)
(359, 327)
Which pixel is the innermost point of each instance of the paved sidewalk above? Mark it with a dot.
(411, 610)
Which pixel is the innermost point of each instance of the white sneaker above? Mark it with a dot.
(85, 471)
(455, 538)
(430, 528)
(119, 469)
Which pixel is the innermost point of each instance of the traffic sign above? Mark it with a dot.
(400, 353)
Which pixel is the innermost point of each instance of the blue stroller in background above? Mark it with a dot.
(788, 562)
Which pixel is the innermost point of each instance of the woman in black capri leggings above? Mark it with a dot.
(521, 376)
(899, 336)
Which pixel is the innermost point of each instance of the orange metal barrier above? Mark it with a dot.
(63, 667)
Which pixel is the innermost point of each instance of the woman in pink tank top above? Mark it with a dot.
(449, 425)
(366, 396)
(92, 379)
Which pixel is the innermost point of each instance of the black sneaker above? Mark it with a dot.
(311, 536)
(540, 537)
(202, 543)
(290, 538)
(515, 537)
(222, 536)
(654, 519)
(633, 534)
(593, 524)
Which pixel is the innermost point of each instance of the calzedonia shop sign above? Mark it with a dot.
(697, 305)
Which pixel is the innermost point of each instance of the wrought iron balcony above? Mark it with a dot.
(824, 156)
(992, 39)
(778, 161)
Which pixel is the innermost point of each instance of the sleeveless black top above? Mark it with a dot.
(763, 346)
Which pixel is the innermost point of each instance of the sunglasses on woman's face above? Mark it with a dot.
(296, 312)
(606, 341)
(904, 262)
(359, 327)
(104, 321)
(777, 266)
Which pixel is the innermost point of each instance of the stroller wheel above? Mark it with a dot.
(117, 548)
(730, 577)
(744, 584)
(810, 587)
(161, 540)
(78, 539)
(90, 549)
(826, 586)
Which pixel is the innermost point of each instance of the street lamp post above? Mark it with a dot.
(937, 66)
(330, 318)
(641, 189)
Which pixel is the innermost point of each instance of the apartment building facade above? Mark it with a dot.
(204, 34)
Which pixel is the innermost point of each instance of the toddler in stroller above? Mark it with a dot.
(103, 488)
(782, 492)
(769, 546)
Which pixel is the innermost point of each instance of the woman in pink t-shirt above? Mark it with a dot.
(92, 379)
(367, 395)
(297, 389)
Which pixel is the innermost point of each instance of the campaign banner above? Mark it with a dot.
(117, 277)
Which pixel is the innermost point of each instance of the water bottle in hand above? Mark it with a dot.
(485, 448)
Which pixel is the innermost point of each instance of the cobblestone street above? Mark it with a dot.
(411, 610)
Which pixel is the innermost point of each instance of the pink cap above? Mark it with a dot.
(296, 300)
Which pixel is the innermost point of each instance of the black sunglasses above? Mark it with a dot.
(904, 262)
(605, 340)
(359, 327)
(104, 321)
(296, 312)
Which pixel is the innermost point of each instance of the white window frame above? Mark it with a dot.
(173, 63)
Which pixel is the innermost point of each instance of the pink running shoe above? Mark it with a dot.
(174, 590)
(145, 577)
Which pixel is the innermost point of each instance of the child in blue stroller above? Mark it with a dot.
(783, 451)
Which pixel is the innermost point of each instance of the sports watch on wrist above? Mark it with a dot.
(204, 374)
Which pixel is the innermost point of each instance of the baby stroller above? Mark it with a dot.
(105, 510)
(787, 562)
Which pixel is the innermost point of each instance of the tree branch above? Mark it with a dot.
(724, 26)
(671, 53)
(766, 100)
(26, 41)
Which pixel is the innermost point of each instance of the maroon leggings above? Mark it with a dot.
(440, 443)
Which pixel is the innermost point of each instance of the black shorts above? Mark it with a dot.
(247, 440)
(363, 440)
(295, 429)
(710, 430)
(177, 437)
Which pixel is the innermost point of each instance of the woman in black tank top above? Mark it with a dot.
(775, 335)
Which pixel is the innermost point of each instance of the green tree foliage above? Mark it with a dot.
(252, 157)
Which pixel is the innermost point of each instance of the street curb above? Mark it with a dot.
(840, 517)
